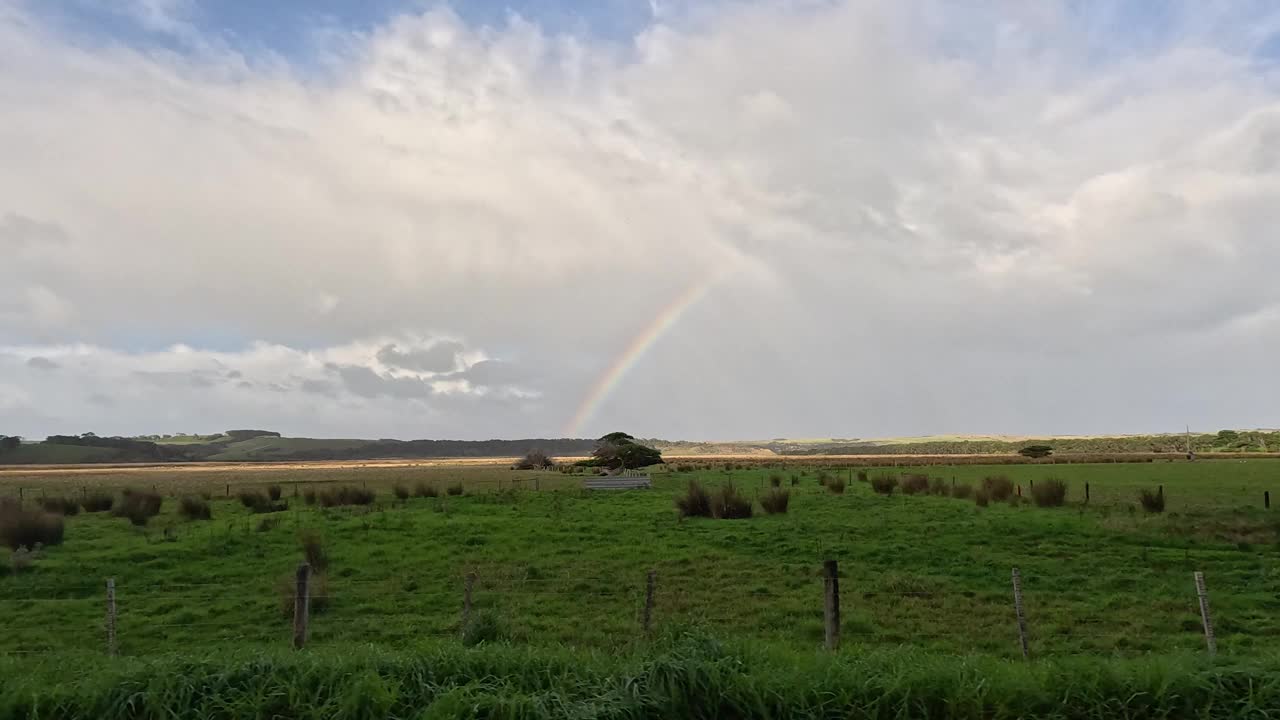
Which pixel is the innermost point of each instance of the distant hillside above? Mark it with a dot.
(266, 446)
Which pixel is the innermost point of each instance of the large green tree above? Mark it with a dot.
(618, 450)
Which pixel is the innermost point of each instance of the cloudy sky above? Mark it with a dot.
(684, 219)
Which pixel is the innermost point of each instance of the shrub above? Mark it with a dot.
(775, 501)
(98, 502)
(346, 495)
(963, 491)
(454, 489)
(252, 498)
(1049, 493)
(22, 527)
(313, 550)
(997, 487)
(424, 490)
(1152, 502)
(862, 476)
(884, 484)
(982, 498)
(402, 492)
(915, 483)
(60, 505)
(273, 492)
(194, 508)
(728, 504)
(309, 496)
(484, 627)
(836, 485)
(534, 460)
(939, 487)
(775, 480)
(138, 506)
(695, 502)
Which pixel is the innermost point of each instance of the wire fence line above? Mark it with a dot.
(1019, 618)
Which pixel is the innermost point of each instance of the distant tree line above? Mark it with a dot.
(9, 442)
(1224, 441)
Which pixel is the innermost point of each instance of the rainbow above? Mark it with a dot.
(639, 345)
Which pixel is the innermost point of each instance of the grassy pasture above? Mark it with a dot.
(559, 566)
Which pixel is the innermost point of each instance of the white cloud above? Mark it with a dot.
(922, 205)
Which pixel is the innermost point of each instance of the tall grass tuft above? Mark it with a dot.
(982, 498)
(454, 489)
(884, 483)
(23, 527)
(862, 476)
(309, 496)
(729, 504)
(139, 506)
(346, 495)
(194, 508)
(1152, 501)
(914, 483)
(775, 501)
(963, 491)
(1049, 493)
(997, 487)
(60, 506)
(835, 485)
(401, 492)
(939, 487)
(696, 501)
(98, 502)
(313, 550)
(273, 492)
(425, 491)
(775, 480)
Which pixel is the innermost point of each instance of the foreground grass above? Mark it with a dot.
(685, 676)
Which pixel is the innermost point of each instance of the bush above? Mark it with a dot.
(424, 490)
(862, 476)
(915, 483)
(775, 480)
(194, 508)
(1049, 493)
(454, 489)
(695, 502)
(1152, 502)
(402, 492)
(313, 550)
(963, 491)
(728, 504)
(982, 498)
(60, 506)
(98, 502)
(997, 487)
(534, 460)
(22, 527)
(138, 506)
(309, 496)
(884, 484)
(939, 487)
(273, 492)
(347, 495)
(775, 501)
(252, 498)
(836, 485)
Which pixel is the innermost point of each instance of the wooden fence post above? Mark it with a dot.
(649, 586)
(831, 614)
(1022, 618)
(1205, 618)
(1266, 499)
(301, 606)
(1086, 492)
(466, 600)
(111, 617)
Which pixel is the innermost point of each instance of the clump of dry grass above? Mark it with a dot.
(729, 504)
(60, 506)
(138, 506)
(194, 508)
(963, 491)
(997, 487)
(939, 487)
(696, 501)
(914, 483)
(422, 489)
(836, 485)
(346, 495)
(401, 492)
(454, 489)
(1152, 502)
(98, 502)
(884, 483)
(982, 498)
(776, 501)
(21, 527)
(1049, 493)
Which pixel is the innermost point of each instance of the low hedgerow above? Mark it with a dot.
(194, 508)
(696, 501)
(98, 502)
(138, 506)
(998, 487)
(28, 527)
(1049, 493)
(729, 504)
(884, 483)
(776, 501)
(347, 495)
(914, 483)
(1152, 501)
(60, 505)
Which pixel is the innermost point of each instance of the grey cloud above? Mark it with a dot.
(177, 378)
(102, 400)
(319, 387)
(491, 372)
(364, 382)
(19, 231)
(42, 363)
(438, 358)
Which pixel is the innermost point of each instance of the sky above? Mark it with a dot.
(716, 219)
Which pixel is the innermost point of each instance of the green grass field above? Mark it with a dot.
(560, 566)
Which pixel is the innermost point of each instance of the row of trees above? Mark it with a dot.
(615, 451)
(9, 442)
